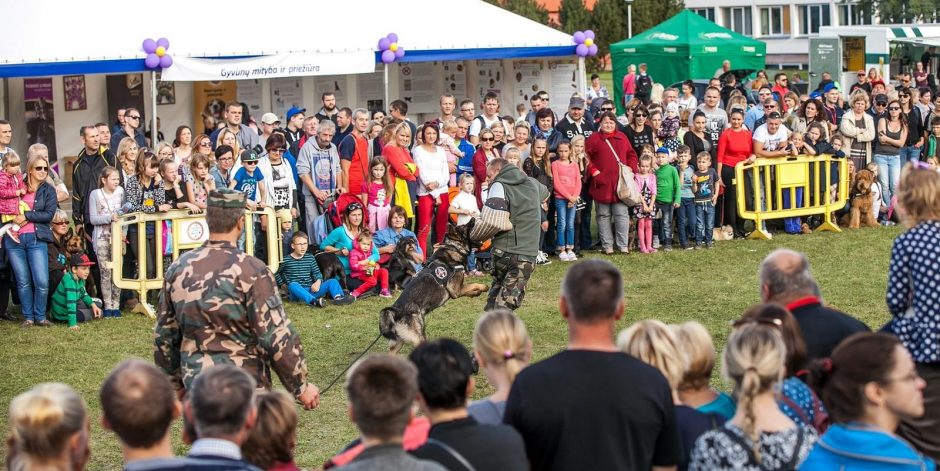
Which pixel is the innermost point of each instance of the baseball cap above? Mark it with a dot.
(774, 115)
(662, 150)
(284, 215)
(80, 260)
(269, 118)
(248, 155)
(881, 98)
(294, 110)
(576, 102)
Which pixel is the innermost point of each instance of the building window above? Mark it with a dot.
(852, 14)
(707, 13)
(738, 19)
(812, 17)
(772, 21)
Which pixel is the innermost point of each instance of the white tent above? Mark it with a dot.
(51, 37)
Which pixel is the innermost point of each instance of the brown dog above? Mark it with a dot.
(862, 198)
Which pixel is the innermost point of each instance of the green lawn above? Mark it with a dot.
(710, 286)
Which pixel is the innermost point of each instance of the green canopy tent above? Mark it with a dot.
(686, 46)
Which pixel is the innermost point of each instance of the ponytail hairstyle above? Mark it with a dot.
(653, 343)
(105, 173)
(754, 359)
(918, 194)
(778, 315)
(500, 338)
(42, 420)
(840, 381)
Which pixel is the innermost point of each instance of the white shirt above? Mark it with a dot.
(774, 141)
(432, 167)
(475, 125)
(465, 201)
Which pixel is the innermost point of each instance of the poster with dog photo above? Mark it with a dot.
(40, 120)
(74, 86)
(166, 93)
(209, 99)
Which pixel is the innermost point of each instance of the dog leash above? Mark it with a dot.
(336, 379)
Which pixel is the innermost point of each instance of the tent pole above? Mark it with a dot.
(153, 103)
(385, 104)
(582, 87)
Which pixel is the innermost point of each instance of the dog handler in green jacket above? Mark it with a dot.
(514, 251)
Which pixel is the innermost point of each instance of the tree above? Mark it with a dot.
(902, 11)
(527, 8)
(609, 23)
(574, 16)
(649, 13)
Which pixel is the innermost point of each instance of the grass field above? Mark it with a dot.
(710, 286)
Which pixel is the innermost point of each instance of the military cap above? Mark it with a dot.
(225, 198)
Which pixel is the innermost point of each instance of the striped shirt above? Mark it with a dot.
(303, 270)
(66, 297)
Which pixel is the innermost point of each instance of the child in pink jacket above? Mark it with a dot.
(366, 267)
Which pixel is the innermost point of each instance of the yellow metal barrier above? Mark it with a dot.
(188, 232)
(769, 180)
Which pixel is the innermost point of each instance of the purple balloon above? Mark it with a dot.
(592, 51)
(149, 46)
(152, 61)
(581, 50)
(166, 61)
(163, 42)
(393, 37)
(578, 37)
(400, 52)
(388, 57)
(589, 34)
(384, 43)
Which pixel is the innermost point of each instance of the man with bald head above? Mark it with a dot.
(785, 279)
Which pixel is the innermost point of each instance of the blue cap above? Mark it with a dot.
(294, 110)
(662, 150)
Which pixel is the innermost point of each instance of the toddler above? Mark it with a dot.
(704, 187)
(464, 206)
(797, 146)
(513, 156)
(667, 196)
(932, 149)
(876, 193)
(448, 141)
(379, 194)
(11, 189)
(644, 212)
(363, 265)
(669, 130)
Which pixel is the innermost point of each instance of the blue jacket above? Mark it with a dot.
(855, 447)
(43, 210)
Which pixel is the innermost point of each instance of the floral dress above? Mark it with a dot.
(647, 188)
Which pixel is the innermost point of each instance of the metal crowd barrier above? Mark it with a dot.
(763, 185)
(188, 231)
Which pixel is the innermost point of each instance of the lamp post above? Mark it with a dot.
(629, 18)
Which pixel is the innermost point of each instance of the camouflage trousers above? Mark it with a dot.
(511, 272)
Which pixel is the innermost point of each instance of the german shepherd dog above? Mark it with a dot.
(441, 279)
(331, 267)
(400, 266)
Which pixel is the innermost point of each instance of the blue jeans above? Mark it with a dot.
(792, 225)
(564, 224)
(704, 222)
(471, 261)
(665, 224)
(329, 287)
(889, 172)
(686, 217)
(907, 153)
(30, 261)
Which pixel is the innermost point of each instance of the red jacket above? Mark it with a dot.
(603, 187)
(734, 147)
(479, 171)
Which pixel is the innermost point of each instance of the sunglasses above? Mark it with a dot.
(40, 169)
(251, 162)
(206, 144)
(280, 150)
(607, 109)
(769, 107)
(488, 139)
(353, 206)
(132, 117)
(762, 321)
(60, 223)
(894, 108)
(881, 103)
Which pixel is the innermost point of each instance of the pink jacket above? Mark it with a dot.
(9, 200)
(629, 84)
(356, 255)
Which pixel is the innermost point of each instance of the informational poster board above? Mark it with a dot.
(825, 55)
(563, 78)
(249, 92)
(286, 93)
(419, 86)
(209, 99)
(372, 90)
(332, 83)
(489, 78)
(40, 118)
(527, 80)
(125, 91)
(455, 79)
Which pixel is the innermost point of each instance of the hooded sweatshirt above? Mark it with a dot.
(523, 196)
(856, 447)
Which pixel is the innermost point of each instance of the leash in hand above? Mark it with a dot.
(343, 373)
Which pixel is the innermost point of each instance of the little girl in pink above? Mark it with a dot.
(12, 189)
(379, 190)
(448, 141)
(644, 212)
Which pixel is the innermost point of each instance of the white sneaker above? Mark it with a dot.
(572, 257)
(542, 259)
(563, 256)
(655, 242)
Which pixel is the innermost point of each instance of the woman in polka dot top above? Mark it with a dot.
(914, 296)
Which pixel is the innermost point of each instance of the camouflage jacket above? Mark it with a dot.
(220, 305)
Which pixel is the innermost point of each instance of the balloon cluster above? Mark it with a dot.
(585, 43)
(390, 48)
(157, 56)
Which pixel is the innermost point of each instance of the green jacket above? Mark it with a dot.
(65, 300)
(931, 147)
(524, 196)
(668, 186)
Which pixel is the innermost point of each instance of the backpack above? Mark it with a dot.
(644, 84)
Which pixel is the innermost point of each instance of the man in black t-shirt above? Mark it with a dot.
(785, 279)
(593, 406)
(456, 439)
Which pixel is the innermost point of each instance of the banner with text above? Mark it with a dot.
(261, 67)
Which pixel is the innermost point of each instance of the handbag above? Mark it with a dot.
(627, 191)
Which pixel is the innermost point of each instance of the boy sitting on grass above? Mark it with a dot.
(70, 302)
(301, 274)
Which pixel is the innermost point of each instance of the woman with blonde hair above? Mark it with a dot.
(694, 389)
(271, 441)
(858, 129)
(126, 156)
(48, 430)
(653, 343)
(502, 347)
(759, 436)
(40, 150)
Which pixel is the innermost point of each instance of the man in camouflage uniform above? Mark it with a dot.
(219, 305)
(514, 251)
